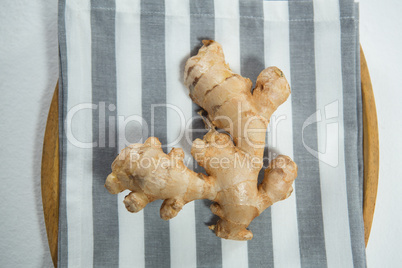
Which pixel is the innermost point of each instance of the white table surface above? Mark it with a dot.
(28, 74)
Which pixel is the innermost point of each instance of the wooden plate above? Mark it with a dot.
(50, 161)
(50, 175)
(371, 148)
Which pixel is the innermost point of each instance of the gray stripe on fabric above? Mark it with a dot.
(62, 257)
(360, 158)
(346, 8)
(352, 136)
(105, 213)
(260, 249)
(251, 38)
(157, 234)
(308, 198)
(359, 104)
(209, 248)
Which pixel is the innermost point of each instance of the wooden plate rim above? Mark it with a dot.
(50, 161)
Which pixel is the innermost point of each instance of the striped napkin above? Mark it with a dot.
(121, 82)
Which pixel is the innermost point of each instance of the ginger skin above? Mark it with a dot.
(232, 166)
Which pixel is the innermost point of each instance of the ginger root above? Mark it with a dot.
(232, 165)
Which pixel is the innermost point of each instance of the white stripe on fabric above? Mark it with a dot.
(284, 215)
(79, 130)
(183, 251)
(227, 33)
(129, 110)
(330, 133)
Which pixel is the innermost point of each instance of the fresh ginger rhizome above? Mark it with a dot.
(232, 166)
